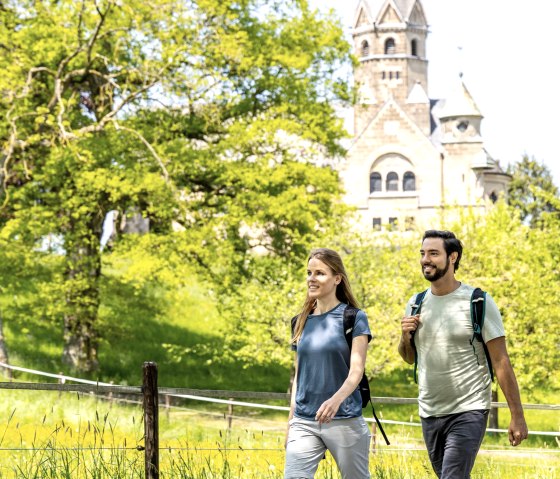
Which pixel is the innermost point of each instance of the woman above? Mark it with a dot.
(326, 407)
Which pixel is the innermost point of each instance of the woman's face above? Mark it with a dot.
(321, 281)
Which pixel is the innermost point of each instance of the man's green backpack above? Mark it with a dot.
(478, 309)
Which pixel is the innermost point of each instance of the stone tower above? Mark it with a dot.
(411, 157)
(391, 47)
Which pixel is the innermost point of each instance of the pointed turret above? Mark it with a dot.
(459, 116)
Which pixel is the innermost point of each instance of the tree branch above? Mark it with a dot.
(149, 146)
(30, 75)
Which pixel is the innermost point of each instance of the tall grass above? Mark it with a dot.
(44, 435)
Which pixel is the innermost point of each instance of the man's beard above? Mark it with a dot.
(438, 273)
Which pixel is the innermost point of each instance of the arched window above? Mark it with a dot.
(414, 48)
(374, 182)
(392, 182)
(493, 197)
(365, 48)
(409, 181)
(390, 46)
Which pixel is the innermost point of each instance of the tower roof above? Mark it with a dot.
(375, 7)
(459, 103)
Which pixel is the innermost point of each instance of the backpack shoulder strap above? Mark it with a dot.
(478, 311)
(349, 319)
(294, 321)
(416, 308)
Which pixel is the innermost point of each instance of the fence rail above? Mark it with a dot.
(189, 393)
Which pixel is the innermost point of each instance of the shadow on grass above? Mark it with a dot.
(138, 327)
(137, 324)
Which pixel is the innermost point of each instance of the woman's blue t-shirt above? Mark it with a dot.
(324, 363)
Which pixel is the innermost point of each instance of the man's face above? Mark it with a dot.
(433, 259)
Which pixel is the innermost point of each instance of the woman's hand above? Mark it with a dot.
(327, 411)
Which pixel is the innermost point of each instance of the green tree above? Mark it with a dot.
(207, 117)
(530, 184)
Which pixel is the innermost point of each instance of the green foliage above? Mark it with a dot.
(529, 191)
(207, 117)
(516, 264)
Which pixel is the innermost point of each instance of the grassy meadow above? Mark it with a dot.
(70, 435)
(44, 434)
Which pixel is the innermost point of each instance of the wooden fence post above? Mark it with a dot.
(229, 415)
(167, 405)
(60, 381)
(151, 426)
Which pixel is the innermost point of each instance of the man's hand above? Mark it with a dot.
(517, 431)
(409, 325)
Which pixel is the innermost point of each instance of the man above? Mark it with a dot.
(454, 382)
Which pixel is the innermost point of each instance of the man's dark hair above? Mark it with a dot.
(450, 243)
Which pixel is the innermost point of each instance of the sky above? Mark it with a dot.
(508, 53)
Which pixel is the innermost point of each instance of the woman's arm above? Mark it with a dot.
(357, 365)
(292, 400)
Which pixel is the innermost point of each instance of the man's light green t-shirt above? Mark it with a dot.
(453, 374)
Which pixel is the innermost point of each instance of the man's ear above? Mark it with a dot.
(453, 257)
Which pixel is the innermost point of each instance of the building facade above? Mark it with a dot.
(412, 158)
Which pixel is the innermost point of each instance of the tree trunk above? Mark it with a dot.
(82, 304)
(493, 417)
(3, 350)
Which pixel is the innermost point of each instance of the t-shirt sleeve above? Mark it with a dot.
(361, 326)
(408, 308)
(493, 326)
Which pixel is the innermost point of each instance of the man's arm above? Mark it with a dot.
(508, 384)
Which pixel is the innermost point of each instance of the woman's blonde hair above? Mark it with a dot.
(343, 290)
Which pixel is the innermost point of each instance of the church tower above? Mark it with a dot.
(390, 44)
(413, 159)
